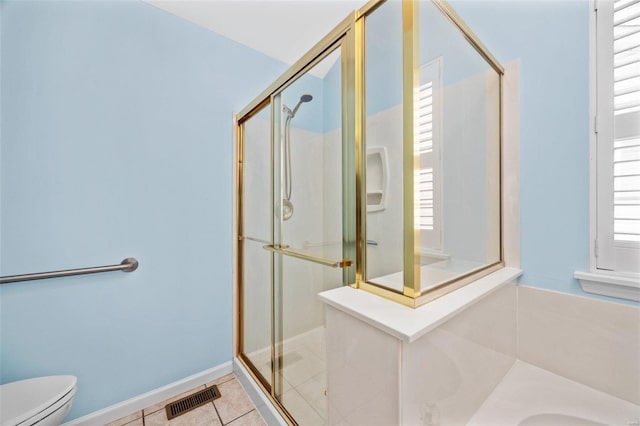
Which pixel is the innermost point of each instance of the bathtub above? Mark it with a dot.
(531, 396)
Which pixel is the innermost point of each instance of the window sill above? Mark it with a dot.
(623, 286)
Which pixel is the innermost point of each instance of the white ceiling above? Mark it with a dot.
(282, 29)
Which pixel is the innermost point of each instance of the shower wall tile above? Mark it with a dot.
(591, 341)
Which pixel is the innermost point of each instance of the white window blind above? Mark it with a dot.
(617, 245)
(626, 105)
(626, 194)
(424, 131)
(427, 140)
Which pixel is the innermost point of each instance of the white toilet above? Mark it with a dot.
(43, 400)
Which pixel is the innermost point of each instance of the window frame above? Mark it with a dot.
(615, 280)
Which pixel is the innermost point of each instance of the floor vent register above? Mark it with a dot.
(192, 402)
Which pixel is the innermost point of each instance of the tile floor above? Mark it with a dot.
(233, 408)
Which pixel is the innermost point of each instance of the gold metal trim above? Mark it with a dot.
(360, 144)
(248, 364)
(302, 65)
(276, 236)
(501, 160)
(343, 263)
(432, 294)
(410, 161)
(259, 107)
(349, 154)
(240, 249)
(473, 39)
(369, 7)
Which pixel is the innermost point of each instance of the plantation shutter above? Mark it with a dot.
(424, 127)
(626, 110)
(427, 131)
(617, 247)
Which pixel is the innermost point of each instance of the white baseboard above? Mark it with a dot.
(140, 402)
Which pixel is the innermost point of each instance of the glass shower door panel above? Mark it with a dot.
(384, 146)
(256, 177)
(301, 378)
(311, 146)
(255, 280)
(309, 227)
(256, 319)
(459, 152)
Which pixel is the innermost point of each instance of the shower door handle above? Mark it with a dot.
(343, 263)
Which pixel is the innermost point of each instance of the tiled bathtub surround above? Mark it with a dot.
(518, 355)
(441, 377)
(233, 408)
(591, 341)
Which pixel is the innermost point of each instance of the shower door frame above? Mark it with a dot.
(342, 38)
(350, 34)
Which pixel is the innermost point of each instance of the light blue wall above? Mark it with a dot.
(117, 141)
(550, 39)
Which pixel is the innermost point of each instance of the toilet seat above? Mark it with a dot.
(32, 400)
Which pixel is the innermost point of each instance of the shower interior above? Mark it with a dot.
(283, 345)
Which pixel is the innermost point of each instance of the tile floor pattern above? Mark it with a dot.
(233, 408)
(303, 376)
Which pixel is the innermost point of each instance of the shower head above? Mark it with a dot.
(304, 98)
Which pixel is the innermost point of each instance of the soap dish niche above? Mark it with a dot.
(377, 179)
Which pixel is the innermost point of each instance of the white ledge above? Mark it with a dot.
(410, 324)
(610, 284)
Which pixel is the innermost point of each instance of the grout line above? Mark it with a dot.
(216, 409)
(233, 377)
(241, 415)
(245, 393)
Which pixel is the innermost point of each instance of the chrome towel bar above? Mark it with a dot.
(130, 264)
